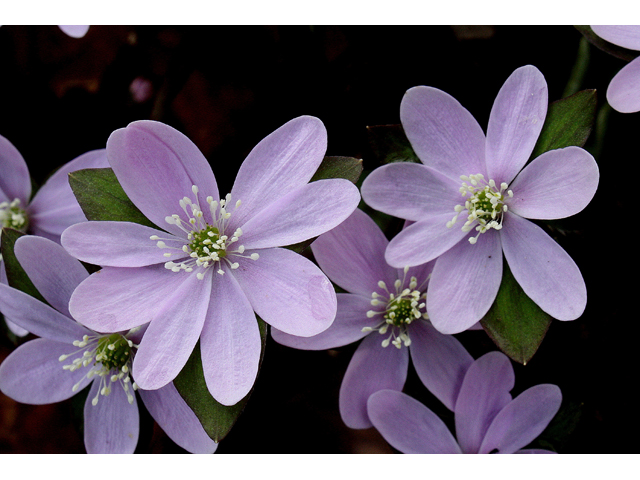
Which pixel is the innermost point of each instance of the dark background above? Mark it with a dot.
(228, 87)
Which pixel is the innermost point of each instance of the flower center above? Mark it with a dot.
(12, 216)
(206, 244)
(400, 309)
(485, 204)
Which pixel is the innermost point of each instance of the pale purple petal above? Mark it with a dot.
(546, 273)
(283, 161)
(120, 244)
(351, 318)
(288, 291)
(515, 122)
(113, 424)
(173, 333)
(178, 421)
(230, 342)
(157, 166)
(557, 184)
(627, 36)
(54, 272)
(523, 419)
(352, 255)
(423, 241)
(409, 426)
(623, 93)
(372, 368)
(484, 392)
(410, 191)
(33, 373)
(440, 361)
(12, 326)
(75, 31)
(443, 133)
(301, 214)
(15, 181)
(464, 283)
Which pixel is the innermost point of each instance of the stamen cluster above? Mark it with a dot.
(11, 215)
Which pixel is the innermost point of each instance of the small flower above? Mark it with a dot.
(487, 419)
(470, 205)
(217, 260)
(623, 93)
(75, 31)
(70, 357)
(385, 307)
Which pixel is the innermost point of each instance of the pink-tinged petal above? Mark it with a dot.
(410, 191)
(464, 283)
(157, 167)
(627, 36)
(352, 255)
(557, 184)
(443, 133)
(351, 318)
(54, 207)
(120, 244)
(75, 31)
(372, 368)
(423, 241)
(623, 93)
(54, 272)
(230, 343)
(173, 333)
(546, 273)
(282, 162)
(523, 419)
(301, 214)
(39, 318)
(409, 426)
(288, 291)
(440, 361)
(484, 392)
(515, 122)
(178, 421)
(33, 373)
(15, 181)
(115, 299)
(113, 424)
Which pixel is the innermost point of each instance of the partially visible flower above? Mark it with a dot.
(141, 89)
(75, 31)
(218, 260)
(487, 419)
(470, 205)
(385, 307)
(69, 357)
(623, 93)
(52, 209)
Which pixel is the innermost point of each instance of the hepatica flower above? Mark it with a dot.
(470, 205)
(385, 307)
(487, 419)
(70, 357)
(217, 260)
(623, 93)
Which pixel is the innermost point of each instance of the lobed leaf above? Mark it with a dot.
(16, 276)
(339, 167)
(389, 144)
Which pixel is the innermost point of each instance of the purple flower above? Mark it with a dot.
(470, 207)
(218, 261)
(69, 357)
(487, 419)
(75, 31)
(385, 308)
(52, 209)
(623, 93)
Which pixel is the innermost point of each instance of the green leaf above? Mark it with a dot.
(102, 198)
(216, 419)
(389, 144)
(610, 48)
(16, 276)
(514, 322)
(339, 167)
(569, 122)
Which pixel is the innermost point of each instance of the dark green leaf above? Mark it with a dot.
(514, 322)
(216, 419)
(559, 430)
(102, 198)
(16, 276)
(612, 49)
(339, 167)
(389, 144)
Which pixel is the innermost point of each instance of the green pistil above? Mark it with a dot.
(114, 351)
(484, 203)
(208, 238)
(400, 312)
(12, 216)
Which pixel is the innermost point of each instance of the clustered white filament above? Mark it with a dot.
(206, 245)
(485, 205)
(12, 216)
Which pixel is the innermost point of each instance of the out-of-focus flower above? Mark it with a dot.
(69, 357)
(218, 261)
(141, 89)
(385, 307)
(470, 207)
(75, 31)
(487, 419)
